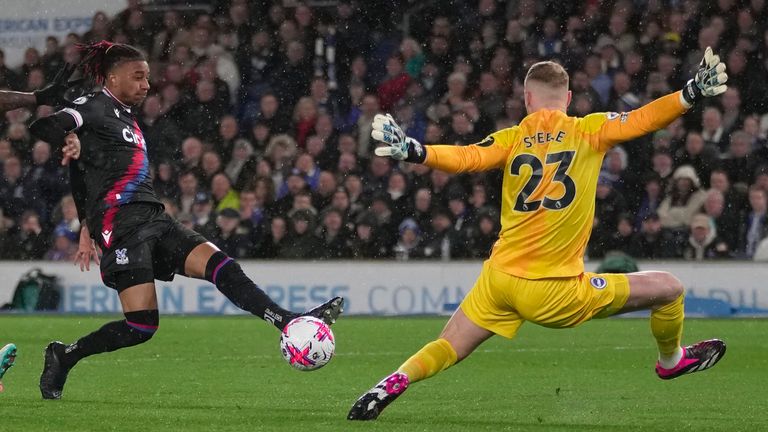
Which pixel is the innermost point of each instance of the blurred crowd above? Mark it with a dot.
(258, 124)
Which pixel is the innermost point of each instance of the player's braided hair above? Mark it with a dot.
(100, 57)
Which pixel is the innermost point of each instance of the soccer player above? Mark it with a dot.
(536, 271)
(53, 95)
(140, 243)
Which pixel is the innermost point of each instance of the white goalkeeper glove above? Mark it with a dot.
(400, 146)
(709, 79)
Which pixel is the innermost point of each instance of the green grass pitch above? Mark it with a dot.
(226, 374)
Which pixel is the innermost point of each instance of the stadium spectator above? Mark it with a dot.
(754, 227)
(334, 236)
(203, 216)
(684, 200)
(228, 237)
(392, 88)
(712, 129)
(735, 199)
(164, 181)
(302, 242)
(44, 180)
(224, 196)
(653, 241)
(188, 189)
(365, 242)
(28, 240)
(482, 235)
(696, 153)
(64, 245)
(408, 243)
(609, 204)
(704, 243)
(725, 223)
(739, 163)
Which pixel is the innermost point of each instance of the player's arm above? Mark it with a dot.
(482, 156)
(52, 94)
(86, 248)
(79, 191)
(54, 128)
(709, 81)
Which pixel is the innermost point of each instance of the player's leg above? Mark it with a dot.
(483, 313)
(206, 261)
(136, 290)
(7, 359)
(457, 341)
(663, 294)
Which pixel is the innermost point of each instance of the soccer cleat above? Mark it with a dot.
(371, 404)
(697, 357)
(328, 311)
(7, 358)
(54, 373)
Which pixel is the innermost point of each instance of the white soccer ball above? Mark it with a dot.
(307, 343)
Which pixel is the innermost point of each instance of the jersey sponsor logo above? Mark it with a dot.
(81, 100)
(598, 282)
(612, 115)
(132, 137)
(121, 256)
(487, 142)
(107, 236)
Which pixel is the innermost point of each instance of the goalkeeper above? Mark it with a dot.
(53, 95)
(536, 270)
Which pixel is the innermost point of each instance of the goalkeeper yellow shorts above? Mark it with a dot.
(501, 302)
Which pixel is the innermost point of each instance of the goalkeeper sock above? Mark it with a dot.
(667, 328)
(436, 356)
(229, 278)
(137, 327)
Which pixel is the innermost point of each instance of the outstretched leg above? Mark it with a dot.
(207, 262)
(457, 341)
(141, 321)
(663, 293)
(7, 359)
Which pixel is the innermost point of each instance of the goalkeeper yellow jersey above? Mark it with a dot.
(551, 163)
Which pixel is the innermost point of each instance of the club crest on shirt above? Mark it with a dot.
(122, 256)
(598, 282)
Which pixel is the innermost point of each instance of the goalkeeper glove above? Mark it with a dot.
(709, 79)
(400, 147)
(53, 93)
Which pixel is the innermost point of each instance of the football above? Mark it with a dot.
(307, 343)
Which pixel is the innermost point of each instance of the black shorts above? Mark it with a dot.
(147, 244)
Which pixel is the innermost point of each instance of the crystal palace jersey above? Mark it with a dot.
(113, 160)
(551, 163)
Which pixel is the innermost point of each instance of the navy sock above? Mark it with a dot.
(229, 278)
(137, 327)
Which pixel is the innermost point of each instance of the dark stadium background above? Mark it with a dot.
(279, 96)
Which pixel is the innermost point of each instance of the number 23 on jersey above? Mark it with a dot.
(562, 160)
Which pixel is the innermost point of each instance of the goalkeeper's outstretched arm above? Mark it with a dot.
(709, 81)
(52, 94)
(482, 156)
